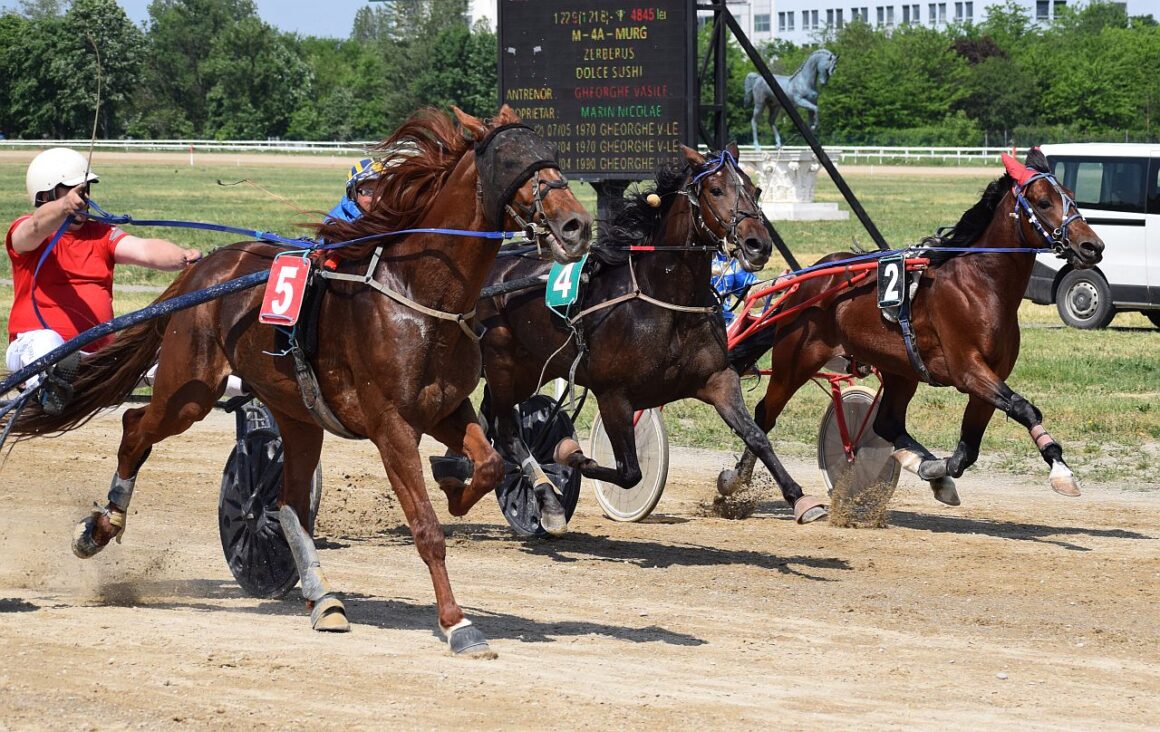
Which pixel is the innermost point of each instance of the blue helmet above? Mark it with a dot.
(364, 170)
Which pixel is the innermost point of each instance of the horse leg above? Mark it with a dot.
(553, 517)
(813, 112)
(753, 124)
(890, 424)
(617, 414)
(398, 443)
(773, 124)
(461, 432)
(302, 447)
(975, 419)
(723, 391)
(987, 386)
(167, 414)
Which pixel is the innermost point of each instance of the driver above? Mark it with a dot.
(360, 190)
(74, 285)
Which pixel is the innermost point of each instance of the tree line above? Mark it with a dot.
(213, 69)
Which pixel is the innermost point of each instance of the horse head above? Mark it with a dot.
(724, 202)
(826, 62)
(522, 187)
(1048, 209)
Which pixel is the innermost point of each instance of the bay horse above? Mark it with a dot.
(397, 355)
(645, 330)
(802, 87)
(965, 323)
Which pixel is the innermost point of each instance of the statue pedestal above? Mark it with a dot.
(787, 178)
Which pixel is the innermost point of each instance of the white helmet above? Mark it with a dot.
(56, 166)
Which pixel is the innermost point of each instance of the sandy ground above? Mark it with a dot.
(1020, 609)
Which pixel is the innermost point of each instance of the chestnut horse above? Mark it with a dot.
(391, 366)
(965, 322)
(646, 329)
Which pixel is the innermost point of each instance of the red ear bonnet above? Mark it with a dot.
(1017, 170)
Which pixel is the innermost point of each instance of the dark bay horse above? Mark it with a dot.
(397, 356)
(965, 320)
(646, 330)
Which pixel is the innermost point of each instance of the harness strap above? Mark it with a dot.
(911, 341)
(312, 396)
(368, 279)
(637, 294)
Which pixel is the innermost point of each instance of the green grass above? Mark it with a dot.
(1097, 390)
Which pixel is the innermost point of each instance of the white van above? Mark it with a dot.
(1117, 189)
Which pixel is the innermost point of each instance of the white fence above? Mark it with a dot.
(847, 154)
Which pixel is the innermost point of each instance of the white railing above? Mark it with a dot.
(863, 154)
(847, 154)
(204, 146)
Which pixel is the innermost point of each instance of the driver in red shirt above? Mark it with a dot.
(74, 288)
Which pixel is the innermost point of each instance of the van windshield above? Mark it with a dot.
(1115, 184)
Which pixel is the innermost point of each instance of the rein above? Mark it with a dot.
(1057, 239)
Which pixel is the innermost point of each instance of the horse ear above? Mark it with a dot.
(473, 129)
(732, 148)
(1017, 170)
(507, 116)
(692, 157)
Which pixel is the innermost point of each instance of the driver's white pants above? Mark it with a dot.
(233, 384)
(29, 346)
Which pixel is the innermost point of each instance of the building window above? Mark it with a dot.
(959, 12)
(830, 18)
(814, 19)
(890, 16)
(970, 11)
(942, 13)
(1043, 10)
(841, 24)
(932, 13)
(789, 21)
(761, 23)
(1058, 6)
(881, 16)
(781, 22)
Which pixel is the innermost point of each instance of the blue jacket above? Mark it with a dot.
(344, 210)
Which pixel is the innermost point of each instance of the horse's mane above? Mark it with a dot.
(634, 221)
(977, 218)
(420, 156)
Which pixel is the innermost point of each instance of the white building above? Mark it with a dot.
(802, 21)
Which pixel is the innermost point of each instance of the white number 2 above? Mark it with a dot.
(892, 293)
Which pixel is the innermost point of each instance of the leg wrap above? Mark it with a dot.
(314, 584)
(1041, 436)
(121, 492)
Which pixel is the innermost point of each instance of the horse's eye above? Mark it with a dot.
(1044, 204)
(717, 191)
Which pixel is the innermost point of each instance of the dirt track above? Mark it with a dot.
(1021, 608)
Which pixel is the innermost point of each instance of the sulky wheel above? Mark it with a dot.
(252, 539)
(873, 456)
(652, 451)
(516, 498)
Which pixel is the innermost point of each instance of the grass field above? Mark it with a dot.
(1098, 390)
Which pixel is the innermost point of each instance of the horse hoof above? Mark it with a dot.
(807, 509)
(468, 640)
(945, 491)
(553, 518)
(727, 482)
(83, 544)
(1062, 481)
(565, 449)
(1065, 486)
(932, 470)
(329, 616)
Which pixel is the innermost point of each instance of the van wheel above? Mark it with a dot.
(1084, 300)
(1154, 316)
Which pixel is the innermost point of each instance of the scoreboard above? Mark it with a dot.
(609, 82)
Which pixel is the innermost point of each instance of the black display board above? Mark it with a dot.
(610, 82)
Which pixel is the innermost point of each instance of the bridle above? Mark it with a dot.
(507, 158)
(1057, 239)
(727, 243)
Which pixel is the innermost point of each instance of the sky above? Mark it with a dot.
(326, 18)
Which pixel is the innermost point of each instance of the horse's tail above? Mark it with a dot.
(105, 378)
(750, 81)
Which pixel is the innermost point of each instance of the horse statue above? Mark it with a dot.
(964, 320)
(397, 352)
(801, 87)
(646, 328)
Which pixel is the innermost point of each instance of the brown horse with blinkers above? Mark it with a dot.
(397, 358)
(965, 324)
(647, 327)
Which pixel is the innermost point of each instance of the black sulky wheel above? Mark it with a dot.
(516, 498)
(256, 550)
